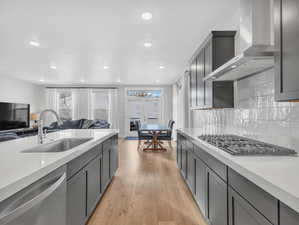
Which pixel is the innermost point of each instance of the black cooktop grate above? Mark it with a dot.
(237, 145)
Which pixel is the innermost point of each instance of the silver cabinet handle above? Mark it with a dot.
(15, 213)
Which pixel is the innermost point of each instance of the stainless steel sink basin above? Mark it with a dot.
(61, 145)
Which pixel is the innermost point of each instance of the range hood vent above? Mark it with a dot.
(255, 40)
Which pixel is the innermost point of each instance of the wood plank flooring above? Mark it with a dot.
(147, 190)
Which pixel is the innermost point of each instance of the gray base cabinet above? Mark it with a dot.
(201, 185)
(217, 199)
(223, 195)
(242, 213)
(106, 166)
(191, 170)
(91, 174)
(93, 177)
(288, 216)
(76, 199)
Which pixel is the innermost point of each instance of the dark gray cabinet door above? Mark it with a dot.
(217, 199)
(242, 213)
(286, 60)
(191, 170)
(179, 152)
(184, 161)
(93, 184)
(105, 178)
(200, 85)
(114, 156)
(193, 84)
(201, 184)
(288, 216)
(208, 65)
(76, 199)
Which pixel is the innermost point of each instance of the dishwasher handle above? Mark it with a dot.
(15, 213)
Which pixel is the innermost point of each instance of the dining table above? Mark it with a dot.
(155, 130)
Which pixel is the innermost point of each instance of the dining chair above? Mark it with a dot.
(142, 136)
(168, 135)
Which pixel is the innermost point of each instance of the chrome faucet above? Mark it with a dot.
(41, 134)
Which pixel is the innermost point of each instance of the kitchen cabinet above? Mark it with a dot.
(200, 85)
(217, 49)
(93, 177)
(201, 184)
(216, 199)
(76, 199)
(106, 164)
(286, 41)
(288, 216)
(193, 83)
(243, 213)
(114, 161)
(191, 168)
(179, 151)
(184, 161)
(89, 176)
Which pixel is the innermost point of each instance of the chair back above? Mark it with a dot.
(138, 125)
(170, 125)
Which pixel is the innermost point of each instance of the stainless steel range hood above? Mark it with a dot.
(256, 42)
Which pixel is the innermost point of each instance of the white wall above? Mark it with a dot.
(14, 90)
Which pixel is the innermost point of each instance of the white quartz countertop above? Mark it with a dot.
(277, 175)
(18, 170)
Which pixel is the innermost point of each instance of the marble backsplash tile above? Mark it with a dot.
(256, 113)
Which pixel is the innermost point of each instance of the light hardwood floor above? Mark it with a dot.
(147, 190)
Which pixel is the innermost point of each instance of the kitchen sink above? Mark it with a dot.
(61, 145)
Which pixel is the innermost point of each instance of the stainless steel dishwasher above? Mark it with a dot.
(42, 203)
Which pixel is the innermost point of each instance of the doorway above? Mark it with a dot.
(144, 105)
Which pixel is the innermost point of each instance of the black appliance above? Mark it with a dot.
(236, 145)
(14, 116)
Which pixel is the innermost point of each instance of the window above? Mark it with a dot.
(101, 105)
(144, 93)
(65, 105)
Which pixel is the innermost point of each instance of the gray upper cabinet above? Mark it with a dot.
(243, 213)
(287, 42)
(288, 216)
(200, 85)
(216, 50)
(193, 79)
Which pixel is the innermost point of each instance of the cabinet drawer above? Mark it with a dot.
(261, 200)
(218, 167)
(78, 163)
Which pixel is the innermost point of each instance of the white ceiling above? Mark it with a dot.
(81, 36)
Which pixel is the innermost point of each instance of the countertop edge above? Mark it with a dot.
(24, 182)
(283, 196)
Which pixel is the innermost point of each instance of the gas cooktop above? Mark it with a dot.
(237, 145)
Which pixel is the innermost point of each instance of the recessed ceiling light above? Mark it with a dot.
(157, 81)
(34, 43)
(53, 67)
(118, 80)
(147, 44)
(233, 66)
(162, 67)
(42, 80)
(147, 16)
(82, 80)
(106, 67)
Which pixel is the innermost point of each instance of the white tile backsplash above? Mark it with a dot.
(256, 113)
